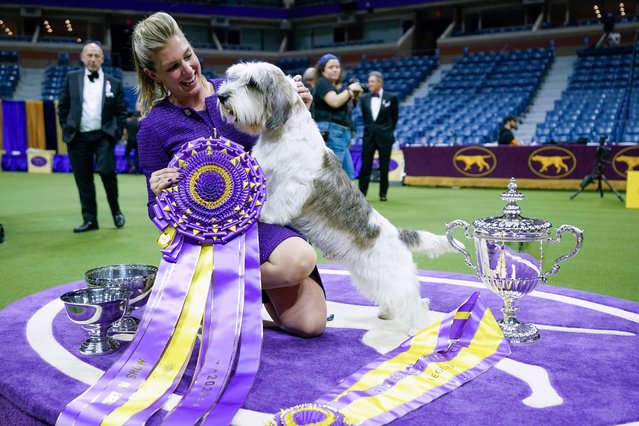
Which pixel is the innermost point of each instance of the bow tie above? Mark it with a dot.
(375, 94)
(94, 76)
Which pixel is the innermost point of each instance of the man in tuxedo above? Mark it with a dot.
(92, 113)
(380, 111)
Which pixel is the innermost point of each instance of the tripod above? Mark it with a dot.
(597, 173)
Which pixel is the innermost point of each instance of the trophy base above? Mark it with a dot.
(99, 346)
(125, 325)
(519, 332)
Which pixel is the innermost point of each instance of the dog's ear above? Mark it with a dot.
(279, 101)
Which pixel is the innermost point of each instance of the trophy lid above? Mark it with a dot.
(511, 225)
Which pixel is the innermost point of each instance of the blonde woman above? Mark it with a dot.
(179, 104)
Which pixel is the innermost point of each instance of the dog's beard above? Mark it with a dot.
(245, 117)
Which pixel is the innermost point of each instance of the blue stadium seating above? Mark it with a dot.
(469, 103)
(9, 75)
(599, 100)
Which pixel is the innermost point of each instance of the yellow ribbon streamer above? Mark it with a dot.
(178, 349)
(485, 343)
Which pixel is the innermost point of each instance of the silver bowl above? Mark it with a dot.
(135, 277)
(96, 309)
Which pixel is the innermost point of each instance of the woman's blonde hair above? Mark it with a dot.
(149, 36)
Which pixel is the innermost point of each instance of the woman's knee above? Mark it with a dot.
(310, 325)
(293, 261)
(300, 309)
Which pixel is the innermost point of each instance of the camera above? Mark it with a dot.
(603, 151)
(356, 93)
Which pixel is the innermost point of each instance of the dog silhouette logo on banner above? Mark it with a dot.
(474, 161)
(626, 160)
(552, 162)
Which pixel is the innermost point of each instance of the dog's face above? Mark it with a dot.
(257, 96)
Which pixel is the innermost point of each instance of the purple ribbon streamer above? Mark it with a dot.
(221, 328)
(251, 340)
(161, 316)
(149, 342)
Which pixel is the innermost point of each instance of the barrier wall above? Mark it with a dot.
(545, 166)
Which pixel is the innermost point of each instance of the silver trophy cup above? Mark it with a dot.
(137, 278)
(96, 309)
(510, 257)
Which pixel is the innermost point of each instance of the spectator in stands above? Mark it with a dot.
(380, 110)
(178, 105)
(92, 113)
(506, 135)
(333, 103)
(130, 137)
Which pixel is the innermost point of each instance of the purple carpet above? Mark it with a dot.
(581, 371)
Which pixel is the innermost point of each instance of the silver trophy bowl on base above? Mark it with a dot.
(137, 278)
(96, 309)
(510, 257)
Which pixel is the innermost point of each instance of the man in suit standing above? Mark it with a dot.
(92, 113)
(380, 111)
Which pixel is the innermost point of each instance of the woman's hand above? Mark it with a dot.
(304, 93)
(162, 179)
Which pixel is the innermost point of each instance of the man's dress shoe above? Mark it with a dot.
(118, 219)
(86, 226)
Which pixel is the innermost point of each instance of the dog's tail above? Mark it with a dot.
(425, 242)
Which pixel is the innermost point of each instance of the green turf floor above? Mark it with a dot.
(40, 251)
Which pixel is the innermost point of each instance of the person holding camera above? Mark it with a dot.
(333, 103)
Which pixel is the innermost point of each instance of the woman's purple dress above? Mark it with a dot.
(167, 127)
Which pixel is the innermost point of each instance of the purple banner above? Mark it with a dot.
(545, 166)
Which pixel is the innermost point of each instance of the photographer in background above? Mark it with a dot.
(332, 104)
(506, 135)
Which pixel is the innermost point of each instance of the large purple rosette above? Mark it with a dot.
(209, 275)
(220, 194)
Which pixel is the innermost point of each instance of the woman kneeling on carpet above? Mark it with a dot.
(186, 109)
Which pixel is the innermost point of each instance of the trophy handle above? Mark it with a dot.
(579, 236)
(456, 244)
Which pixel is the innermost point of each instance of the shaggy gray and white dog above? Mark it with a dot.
(308, 188)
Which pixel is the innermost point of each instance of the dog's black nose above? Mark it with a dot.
(222, 97)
